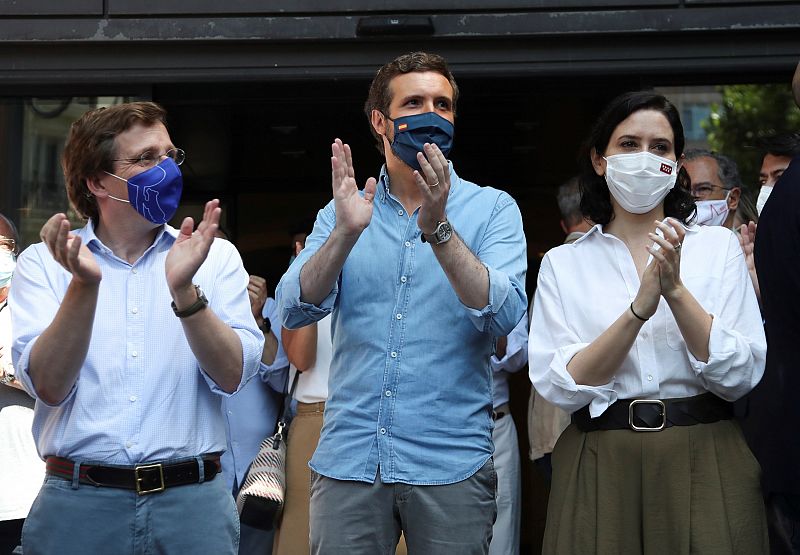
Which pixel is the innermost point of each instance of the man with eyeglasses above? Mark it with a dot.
(716, 186)
(129, 333)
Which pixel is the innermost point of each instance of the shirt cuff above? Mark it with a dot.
(499, 285)
(598, 397)
(722, 348)
(296, 313)
(251, 357)
(22, 375)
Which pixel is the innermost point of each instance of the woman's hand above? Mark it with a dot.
(646, 301)
(668, 256)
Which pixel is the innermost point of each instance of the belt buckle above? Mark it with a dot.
(631, 410)
(148, 467)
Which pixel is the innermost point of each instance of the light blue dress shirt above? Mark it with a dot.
(251, 414)
(410, 387)
(141, 394)
(515, 358)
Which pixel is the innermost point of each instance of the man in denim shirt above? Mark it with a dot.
(421, 271)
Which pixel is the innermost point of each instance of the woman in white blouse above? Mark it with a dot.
(647, 307)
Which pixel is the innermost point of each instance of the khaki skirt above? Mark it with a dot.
(686, 489)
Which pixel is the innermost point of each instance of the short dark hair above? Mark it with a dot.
(780, 144)
(595, 198)
(569, 201)
(91, 147)
(380, 93)
(12, 230)
(727, 170)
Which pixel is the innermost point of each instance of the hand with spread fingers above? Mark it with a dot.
(68, 250)
(257, 291)
(434, 184)
(353, 211)
(666, 251)
(191, 248)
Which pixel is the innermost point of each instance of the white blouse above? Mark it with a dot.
(584, 287)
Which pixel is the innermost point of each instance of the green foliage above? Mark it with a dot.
(746, 114)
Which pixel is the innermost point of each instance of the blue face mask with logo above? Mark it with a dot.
(412, 132)
(155, 193)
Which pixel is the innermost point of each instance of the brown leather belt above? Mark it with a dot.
(143, 478)
(654, 415)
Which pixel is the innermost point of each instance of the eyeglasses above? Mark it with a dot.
(7, 244)
(148, 159)
(702, 192)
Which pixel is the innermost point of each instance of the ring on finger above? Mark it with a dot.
(434, 184)
(678, 246)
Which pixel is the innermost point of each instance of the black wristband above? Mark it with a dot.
(196, 306)
(266, 327)
(637, 316)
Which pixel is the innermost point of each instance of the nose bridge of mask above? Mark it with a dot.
(642, 161)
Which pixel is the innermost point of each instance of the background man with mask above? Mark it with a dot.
(21, 470)
(421, 271)
(129, 333)
(716, 186)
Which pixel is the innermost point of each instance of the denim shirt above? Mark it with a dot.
(410, 386)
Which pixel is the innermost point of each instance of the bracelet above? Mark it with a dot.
(637, 316)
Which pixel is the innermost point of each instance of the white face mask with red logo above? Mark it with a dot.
(712, 212)
(639, 181)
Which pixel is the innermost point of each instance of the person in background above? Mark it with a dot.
(251, 414)
(645, 329)
(546, 421)
(309, 351)
(129, 333)
(716, 186)
(21, 469)
(510, 356)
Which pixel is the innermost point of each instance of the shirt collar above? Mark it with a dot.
(691, 229)
(89, 237)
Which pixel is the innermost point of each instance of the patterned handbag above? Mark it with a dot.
(260, 500)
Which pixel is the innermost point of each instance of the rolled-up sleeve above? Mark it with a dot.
(293, 312)
(737, 345)
(552, 344)
(231, 303)
(34, 302)
(275, 374)
(503, 253)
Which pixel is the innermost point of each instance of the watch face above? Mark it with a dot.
(443, 232)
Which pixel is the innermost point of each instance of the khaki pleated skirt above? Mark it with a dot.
(685, 490)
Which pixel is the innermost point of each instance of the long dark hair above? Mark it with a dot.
(595, 198)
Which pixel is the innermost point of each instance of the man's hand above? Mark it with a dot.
(67, 250)
(353, 212)
(257, 291)
(434, 184)
(747, 240)
(189, 252)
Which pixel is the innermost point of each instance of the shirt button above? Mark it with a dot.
(383, 431)
(135, 354)
(388, 393)
(394, 354)
(649, 377)
(129, 445)
(135, 310)
(134, 271)
(399, 316)
(400, 212)
(408, 243)
(132, 398)
(403, 279)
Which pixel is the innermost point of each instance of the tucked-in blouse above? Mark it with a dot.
(584, 287)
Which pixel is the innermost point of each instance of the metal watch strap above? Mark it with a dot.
(196, 306)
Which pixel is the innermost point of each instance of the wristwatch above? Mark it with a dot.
(6, 379)
(266, 327)
(196, 306)
(441, 234)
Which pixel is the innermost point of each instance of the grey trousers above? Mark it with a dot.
(354, 518)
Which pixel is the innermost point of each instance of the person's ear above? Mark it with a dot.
(598, 162)
(733, 198)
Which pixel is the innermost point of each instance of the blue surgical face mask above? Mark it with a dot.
(8, 262)
(155, 193)
(412, 132)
